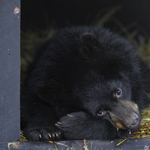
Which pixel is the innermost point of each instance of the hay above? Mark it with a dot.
(144, 130)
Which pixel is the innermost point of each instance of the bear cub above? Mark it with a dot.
(85, 83)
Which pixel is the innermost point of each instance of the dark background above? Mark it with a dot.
(44, 13)
(42, 19)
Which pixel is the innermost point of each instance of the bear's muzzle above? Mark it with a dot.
(125, 115)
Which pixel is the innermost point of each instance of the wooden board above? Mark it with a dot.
(9, 70)
(129, 144)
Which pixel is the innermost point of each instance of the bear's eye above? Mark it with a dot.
(118, 93)
(101, 112)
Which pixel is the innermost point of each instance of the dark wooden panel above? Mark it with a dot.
(129, 144)
(9, 70)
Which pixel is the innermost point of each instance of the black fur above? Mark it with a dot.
(77, 73)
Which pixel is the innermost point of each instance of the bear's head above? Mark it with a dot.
(110, 88)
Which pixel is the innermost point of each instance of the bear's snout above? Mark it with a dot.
(133, 122)
(125, 115)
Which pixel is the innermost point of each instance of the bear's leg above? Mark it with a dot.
(80, 125)
(39, 123)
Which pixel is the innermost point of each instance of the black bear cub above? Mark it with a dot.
(85, 83)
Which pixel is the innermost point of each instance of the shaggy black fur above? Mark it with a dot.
(82, 85)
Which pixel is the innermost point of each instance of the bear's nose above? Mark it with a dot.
(134, 121)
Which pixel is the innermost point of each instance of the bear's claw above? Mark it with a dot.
(44, 134)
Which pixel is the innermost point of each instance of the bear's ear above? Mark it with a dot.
(90, 47)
